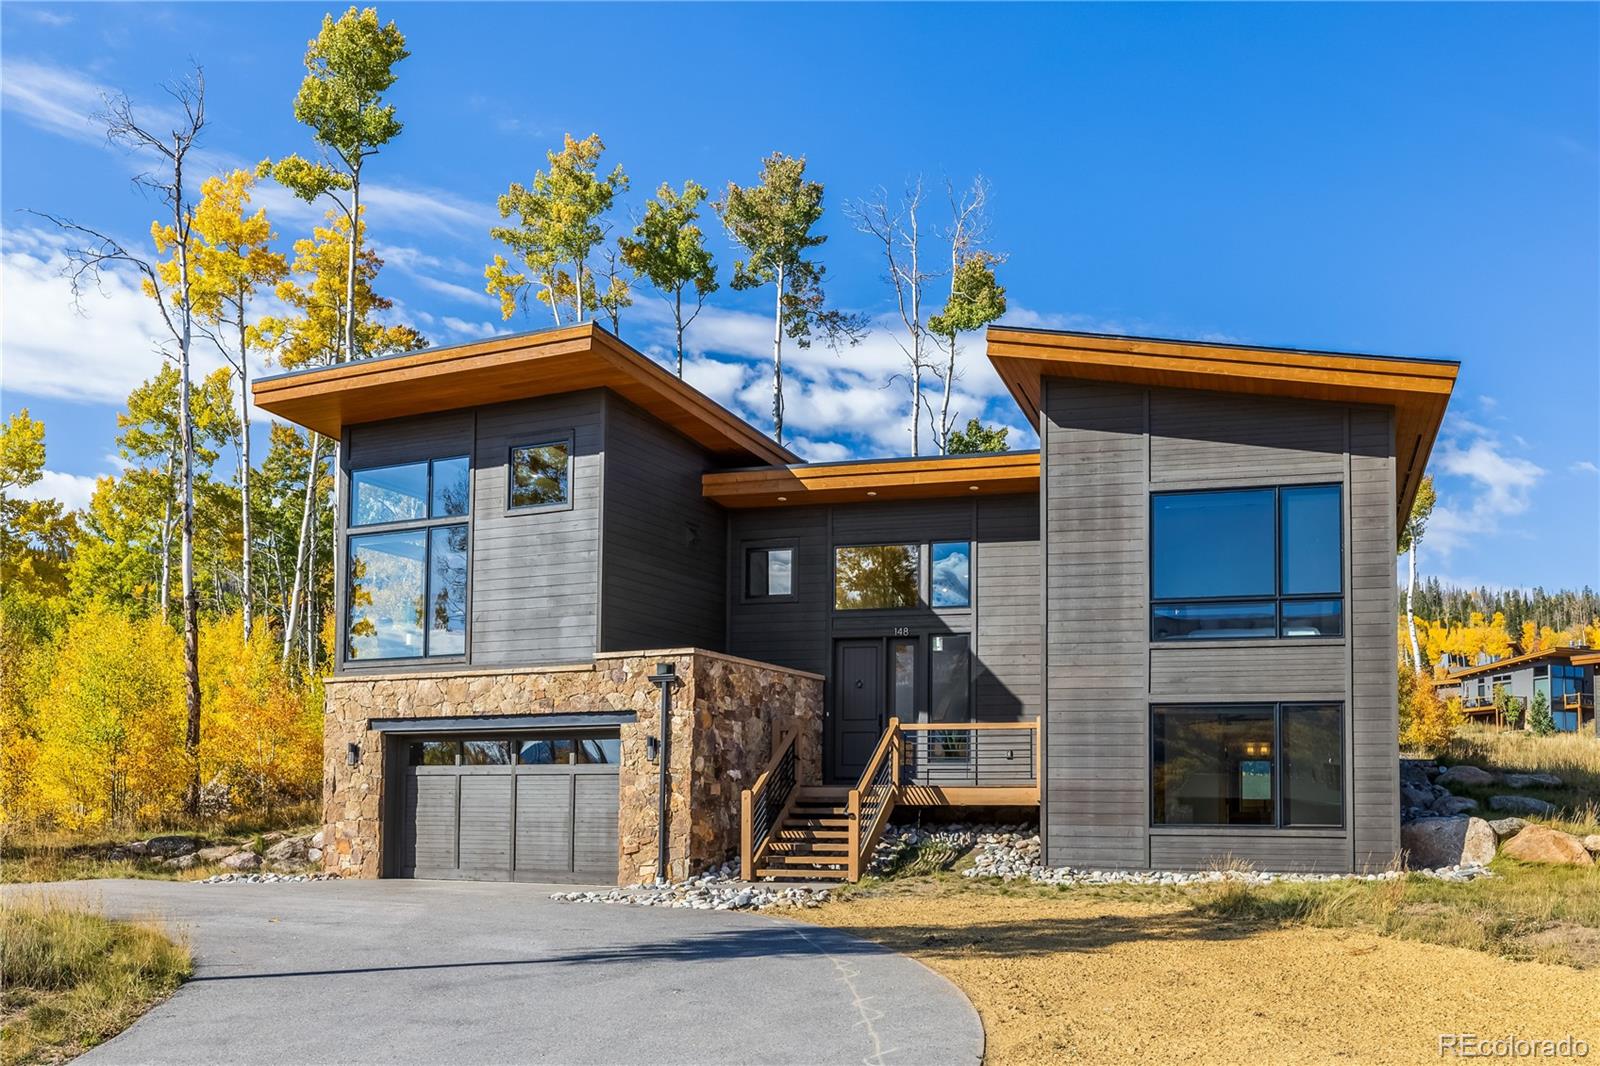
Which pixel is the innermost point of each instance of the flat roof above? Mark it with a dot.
(861, 480)
(1418, 390)
(1581, 656)
(513, 367)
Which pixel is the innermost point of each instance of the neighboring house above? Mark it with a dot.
(1171, 630)
(1564, 675)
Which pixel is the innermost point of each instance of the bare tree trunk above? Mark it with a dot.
(350, 272)
(777, 362)
(944, 404)
(191, 600)
(300, 550)
(1411, 614)
(246, 598)
(166, 533)
(311, 589)
(677, 318)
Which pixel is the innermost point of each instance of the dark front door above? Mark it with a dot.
(858, 705)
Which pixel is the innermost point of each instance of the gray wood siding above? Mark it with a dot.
(1375, 803)
(663, 544)
(791, 632)
(535, 594)
(1103, 672)
(1095, 624)
(1009, 584)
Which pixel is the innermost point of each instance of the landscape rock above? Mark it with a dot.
(1532, 781)
(1506, 828)
(216, 854)
(265, 878)
(316, 839)
(133, 847)
(182, 862)
(1439, 842)
(1521, 805)
(290, 851)
(1451, 805)
(1592, 843)
(1538, 843)
(243, 860)
(1413, 796)
(1471, 776)
(169, 847)
(313, 855)
(718, 889)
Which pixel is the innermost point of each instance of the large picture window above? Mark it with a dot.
(1248, 765)
(876, 576)
(1247, 563)
(406, 588)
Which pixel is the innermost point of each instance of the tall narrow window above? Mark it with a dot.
(1247, 563)
(949, 678)
(950, 578)
(406, 588)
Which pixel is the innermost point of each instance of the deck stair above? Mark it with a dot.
(812, 837)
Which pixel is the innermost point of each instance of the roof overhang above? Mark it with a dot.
(1577, 656)
(1416, 389)
(866, 480)
(516, 367)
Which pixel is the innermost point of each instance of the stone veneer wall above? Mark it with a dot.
(725, 713)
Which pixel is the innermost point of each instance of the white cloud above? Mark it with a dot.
(1498, 487)
(43, 15)
(55, 99)
(470, 330)
(1584, 466)
(73, 490)
(820, 451)
(1503, 482)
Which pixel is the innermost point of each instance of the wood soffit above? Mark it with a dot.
(1416, 389)
(931, 477)
(516, 367)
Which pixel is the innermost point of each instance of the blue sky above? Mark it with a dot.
(1400, 179)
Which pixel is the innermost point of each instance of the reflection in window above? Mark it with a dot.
(386, 590)
(451, 487)
(769, 572)
(485, 753)
(905, 680)
(410, 492)
(540, 475)
(433, 752)
(949, 678)
(950, 576)
(1251, 764)
(606, 750)
(872, 577)
(546, 751)
(1247, 563)
(447, 590)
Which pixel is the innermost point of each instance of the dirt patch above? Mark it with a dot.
(1567, 942)
(1086, 979)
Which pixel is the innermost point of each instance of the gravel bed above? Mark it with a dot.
(265, 879)
(718, 889)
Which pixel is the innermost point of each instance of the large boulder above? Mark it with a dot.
(1470, 776)
(1411, 796)
(290, 851)
(1506, 828)
(243, 860)
(1521, 805)
(1532, 781)
(216, 854)
(1435, 842)
(170, 847)
(1539, 843)
(1450, 805)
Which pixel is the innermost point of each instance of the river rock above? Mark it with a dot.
(1471, 776)
(1521, 805)
(170, 847)
(1436, 842)
(243, 860)
(1538, 843)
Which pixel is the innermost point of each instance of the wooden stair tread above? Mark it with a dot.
(809, 847)
(781, 873)
(786, 858)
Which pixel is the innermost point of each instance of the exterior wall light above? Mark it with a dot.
(652, 748)
(352, 754)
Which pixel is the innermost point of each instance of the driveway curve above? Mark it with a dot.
(455, 972)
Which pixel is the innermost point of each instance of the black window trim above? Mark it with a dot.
(768, 544)
(972, 568)
(1279, 597)
(833, 575)
(564, 440)
(426, 529)
(1278, 826)
(429, 518)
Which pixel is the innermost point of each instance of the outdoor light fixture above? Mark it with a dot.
(352, 753)
(652, 748)
(871, 493)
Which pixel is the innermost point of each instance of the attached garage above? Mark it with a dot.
(535, 805)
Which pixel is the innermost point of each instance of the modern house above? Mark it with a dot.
(1170, 631)
(1565, 677)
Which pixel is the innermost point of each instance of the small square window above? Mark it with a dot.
(769, 572)
(541, 475)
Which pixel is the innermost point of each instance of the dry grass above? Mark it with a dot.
(1090, 975)
(74, 978)
(1574, 757)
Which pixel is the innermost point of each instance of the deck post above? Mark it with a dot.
(747, 844)
(853, 809)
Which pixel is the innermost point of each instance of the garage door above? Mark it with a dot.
(537, 808)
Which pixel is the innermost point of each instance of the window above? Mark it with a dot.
(1247, 563)
(409, 492)
(541, 476)
(485, 753)
(768, 572)
(407, 588)
(545, 751)
(950, 579)
(1248, 765)
(877, 576)
(433, 752)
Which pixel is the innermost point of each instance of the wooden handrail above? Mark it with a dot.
(751, 850)
(962, 727)
(864, 838)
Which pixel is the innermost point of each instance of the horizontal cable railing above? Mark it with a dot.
(970, 755)
(762, 804)
(873, 798)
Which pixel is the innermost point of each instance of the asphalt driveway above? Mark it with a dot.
(445, 972)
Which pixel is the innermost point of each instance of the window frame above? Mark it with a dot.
(746, 548)
(920, 597)
(564, 440)
(1279, 793)
(352, 535)
(1278, 597)
(971, 553)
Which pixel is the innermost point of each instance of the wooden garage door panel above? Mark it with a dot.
(485, 843)
(431, 810)
(544, 823)
(594, 847)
